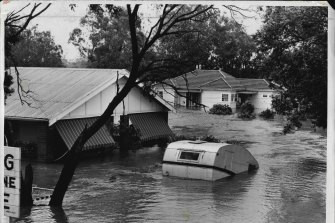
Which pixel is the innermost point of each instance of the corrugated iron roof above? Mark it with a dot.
(54, 89)
(70, 129)
(150, 125)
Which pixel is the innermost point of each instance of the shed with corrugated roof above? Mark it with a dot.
(57, 103)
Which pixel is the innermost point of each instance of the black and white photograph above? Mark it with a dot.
(117, 111)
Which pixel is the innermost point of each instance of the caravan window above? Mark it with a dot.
(189, 156)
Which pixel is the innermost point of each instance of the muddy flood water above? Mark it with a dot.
(290, 185)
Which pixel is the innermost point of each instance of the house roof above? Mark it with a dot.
(196, 78)
(256, 84)
(217, 79)
(56, 91)
(216, 84)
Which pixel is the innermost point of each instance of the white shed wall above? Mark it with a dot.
(168, 94)
(135, 102)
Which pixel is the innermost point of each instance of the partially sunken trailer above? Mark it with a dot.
(206, 160)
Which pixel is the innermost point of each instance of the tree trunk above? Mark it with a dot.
(64, 179)
(27, 184)
(124, 135)
(72, 158)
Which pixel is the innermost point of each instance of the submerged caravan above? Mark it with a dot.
(206, 160)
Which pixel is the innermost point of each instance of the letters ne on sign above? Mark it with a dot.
(9, 165)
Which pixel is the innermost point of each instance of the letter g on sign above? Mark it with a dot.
(9, 164)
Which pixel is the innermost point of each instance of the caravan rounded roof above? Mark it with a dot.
(197, 145)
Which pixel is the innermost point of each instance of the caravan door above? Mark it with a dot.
(228, 160)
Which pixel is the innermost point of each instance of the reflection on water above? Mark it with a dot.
(288, 187)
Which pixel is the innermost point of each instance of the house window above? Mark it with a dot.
(265, 95)
(233, 97)
(192, 156)
(160, 94)
(224, 97)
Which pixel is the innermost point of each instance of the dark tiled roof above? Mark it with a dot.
(258, 84)
(216, 79)
(197, 78)
(216, 84)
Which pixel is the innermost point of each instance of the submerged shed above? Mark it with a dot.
(61, 101)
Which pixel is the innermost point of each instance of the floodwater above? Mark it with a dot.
(290, 185)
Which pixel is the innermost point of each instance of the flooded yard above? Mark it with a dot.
(290, 185)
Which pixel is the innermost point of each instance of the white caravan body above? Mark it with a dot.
(206, 160)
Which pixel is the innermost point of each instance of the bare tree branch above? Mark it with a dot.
(13, 18)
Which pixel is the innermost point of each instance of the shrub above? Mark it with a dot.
(210, 138)
(207, 138)
(267, 114)
(219, 109)
(247, 111)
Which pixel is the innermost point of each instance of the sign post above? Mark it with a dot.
(12, 181)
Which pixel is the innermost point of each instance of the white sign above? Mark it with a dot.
(12, 181)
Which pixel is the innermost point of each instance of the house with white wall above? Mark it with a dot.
(209, 87)
(61, 101)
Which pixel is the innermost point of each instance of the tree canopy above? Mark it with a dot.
(104, 37)
(15, 24)
(167, 23)
(215, 42)
(292, 51)
(37, 49)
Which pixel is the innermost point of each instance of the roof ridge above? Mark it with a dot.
(266, 81)
(227, 83)
(250, 78)
(80, 100)
(222, 74)
(210, 81)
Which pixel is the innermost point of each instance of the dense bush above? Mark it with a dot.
(210, 138)
(247, 111)
(207, 138)
(267, 114)
(219, 109)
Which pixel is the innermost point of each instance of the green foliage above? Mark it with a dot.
(37, 49)
(267, 114)
(215, 42)
(231, 47)
(8, 81)
(210, 138)
(219, 109)
(207, 138)
(292, 51)
(220, 42)
(247, 111)
(115, 131)
(108, 42)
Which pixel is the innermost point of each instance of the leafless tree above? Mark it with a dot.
(167, 24)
